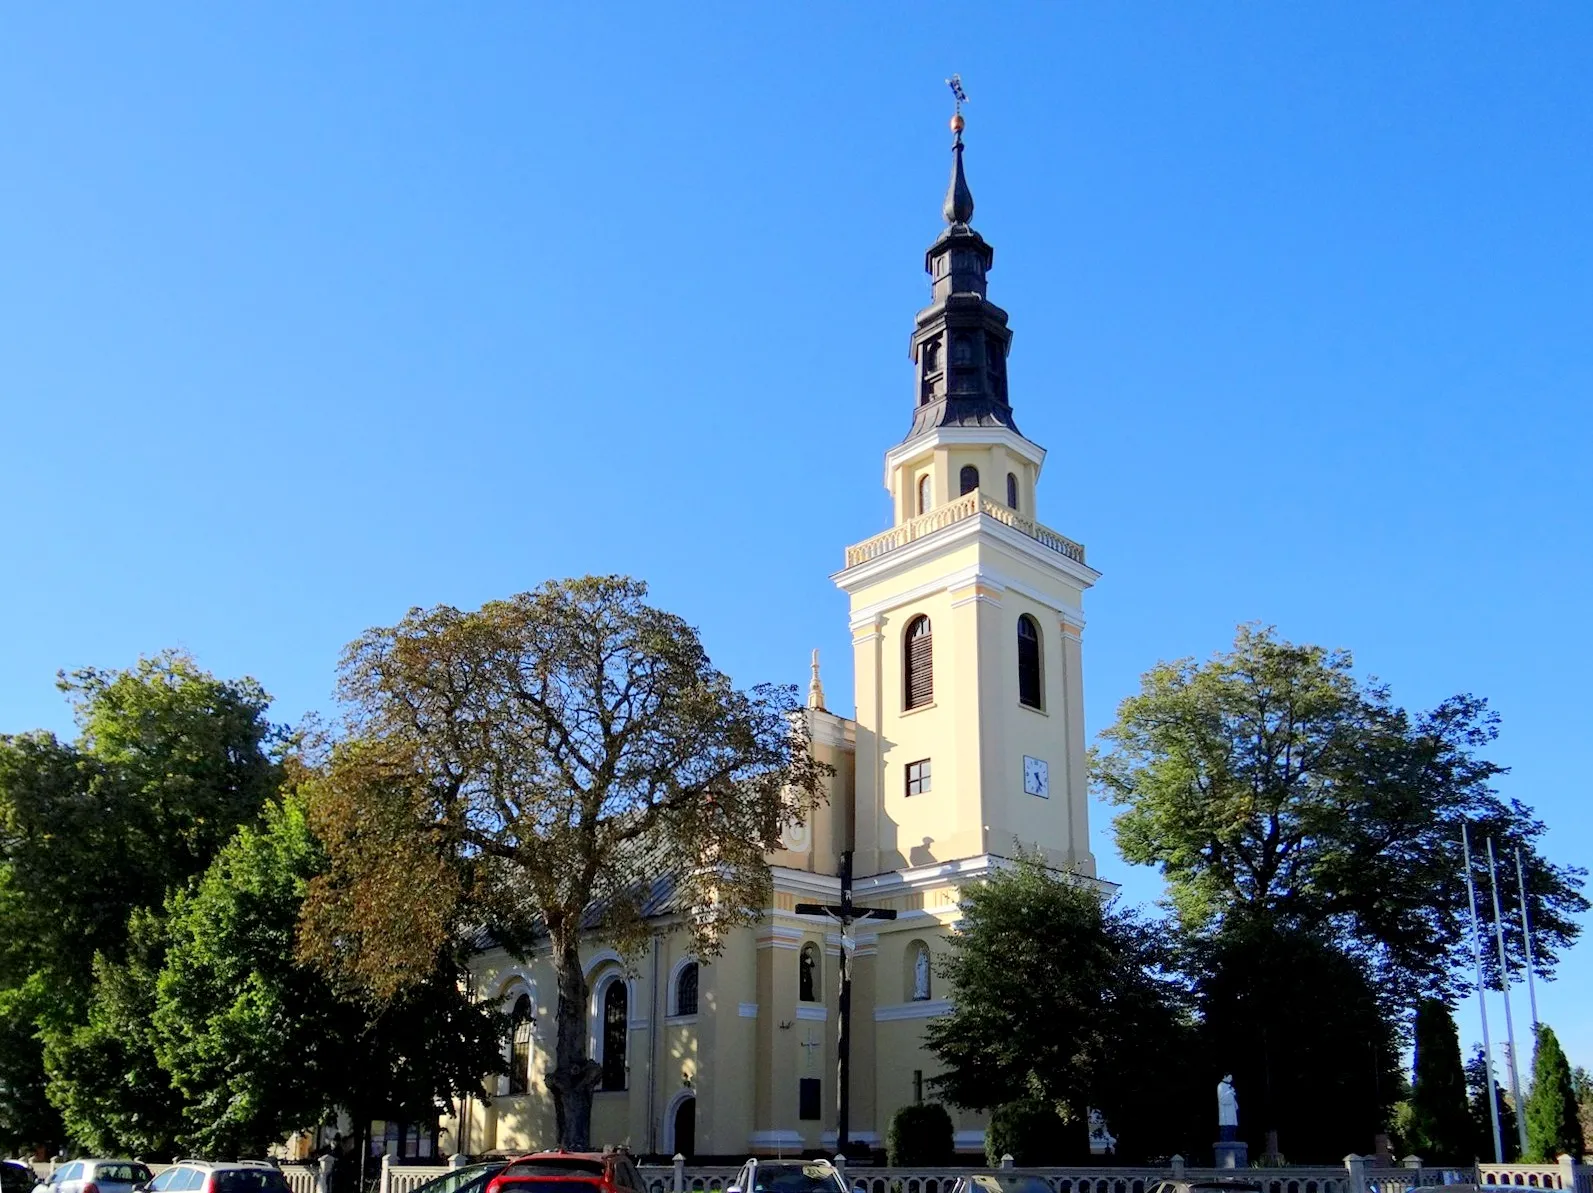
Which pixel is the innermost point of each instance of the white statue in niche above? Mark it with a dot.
(921, 974)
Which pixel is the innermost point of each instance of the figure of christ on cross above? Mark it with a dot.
(809, 1045)
(844, 913)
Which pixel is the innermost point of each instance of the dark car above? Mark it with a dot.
(472, 1178)
(15, 1177)
(1220, 1184)
(1000, 1182)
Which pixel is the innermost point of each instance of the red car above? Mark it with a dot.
(568, 1172)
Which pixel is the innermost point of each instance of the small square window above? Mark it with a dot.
(808, 1097)
(918, 777)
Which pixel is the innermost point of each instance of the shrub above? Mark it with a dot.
(920, 1135)
(1034, 1134)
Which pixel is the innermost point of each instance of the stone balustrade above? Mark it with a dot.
(969, 505)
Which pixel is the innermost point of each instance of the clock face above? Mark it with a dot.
(1036, 777)
(796, 837)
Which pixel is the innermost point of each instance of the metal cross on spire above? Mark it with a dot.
(955, 83)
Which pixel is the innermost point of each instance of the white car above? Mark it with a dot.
(97, 1176)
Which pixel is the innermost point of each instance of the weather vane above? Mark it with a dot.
(961, 97)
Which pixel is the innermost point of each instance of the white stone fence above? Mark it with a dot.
(1358, 1174)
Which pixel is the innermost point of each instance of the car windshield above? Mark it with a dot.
(461, 1178)
(249, 1180)
(990, 1183)
(554, 1166)
(775, 1177)
(123, 1173)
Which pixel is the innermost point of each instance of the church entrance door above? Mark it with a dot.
(686, 1128)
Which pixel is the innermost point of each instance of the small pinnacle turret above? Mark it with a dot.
(961, 339)
(815, 688)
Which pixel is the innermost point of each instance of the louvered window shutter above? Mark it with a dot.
(1028, 662)
(920, 664)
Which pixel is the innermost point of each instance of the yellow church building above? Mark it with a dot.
(967, 744)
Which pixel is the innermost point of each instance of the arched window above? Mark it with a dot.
(919, 663)
(1012, 490)
(967, 480)
(616, 1030)
(925, 492)
(520, 1047)
(686, 990)
(808, 973)
(1029, 687)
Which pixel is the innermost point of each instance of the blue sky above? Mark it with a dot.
(310, 314)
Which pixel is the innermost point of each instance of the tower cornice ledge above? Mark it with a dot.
(907, 449)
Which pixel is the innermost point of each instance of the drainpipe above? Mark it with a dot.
(652, 1055)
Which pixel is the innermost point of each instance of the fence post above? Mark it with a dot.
(1353, 1164)
(840, 1167)
(1006, 1160)
(1413, 1162)
(323, 1182)
(1567, 1172)
(680, 1173)
(1178, 1168)
(387, 1173)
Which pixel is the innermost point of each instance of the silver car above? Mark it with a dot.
(97, 1176)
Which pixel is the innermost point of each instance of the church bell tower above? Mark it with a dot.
(966, 614)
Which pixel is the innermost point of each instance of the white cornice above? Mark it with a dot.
(928, 1008)
(949, 538)
(1015, 443)
(802, 882)
(747, 1010)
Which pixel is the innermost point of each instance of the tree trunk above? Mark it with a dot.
(574, 1075)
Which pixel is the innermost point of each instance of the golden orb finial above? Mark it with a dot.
(957, 123)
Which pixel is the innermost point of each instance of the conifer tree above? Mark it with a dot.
(1440, 1127)
(1479, 1078)
(1553, 1129)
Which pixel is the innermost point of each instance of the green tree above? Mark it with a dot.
(1296, 1021)
(920, 1134)
(1553, 1127)
(1439, 1129)
(167, 762)
(261, 1045)
(536, 765)
(1582, 1082)
(1479, 1078)
(1270, 785)
(1063, 998)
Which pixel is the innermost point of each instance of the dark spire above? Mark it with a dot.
(959, 199)
(961, 340)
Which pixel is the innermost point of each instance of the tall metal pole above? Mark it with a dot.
(1482, 1001)
(843, 1040)
(1504, 984)
(1526, 935)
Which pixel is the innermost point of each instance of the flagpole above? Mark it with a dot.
(1504, 984)
(1526, 934)
(1482, 1001)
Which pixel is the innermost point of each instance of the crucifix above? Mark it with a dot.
(810, 1044)
(844, 913)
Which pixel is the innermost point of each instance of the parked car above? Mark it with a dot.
(1220, 1184)
(204, 1176)
(98, 1176)
(1001, 1182)
(568, 1172)
(16, 1177)
(472, 1178)
(789, 1176)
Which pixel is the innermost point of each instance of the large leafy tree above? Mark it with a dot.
(1553, 1126)
(539, 766)
(167, 762)
(1064, 1000)
(1440, 1128)
(261, 1045)
(1311, 1049)
(1270, 785)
